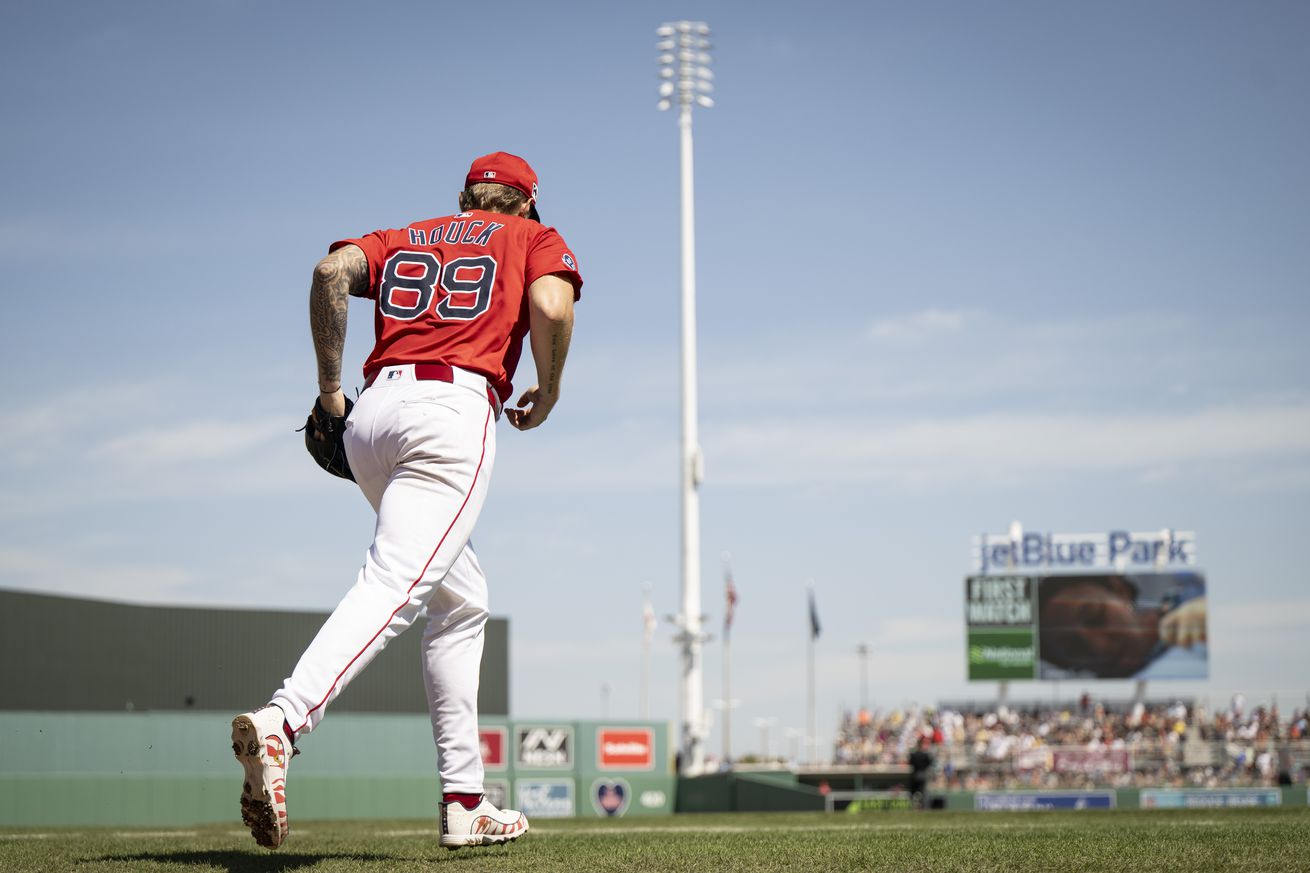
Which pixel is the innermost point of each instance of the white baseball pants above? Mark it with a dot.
(422, 453)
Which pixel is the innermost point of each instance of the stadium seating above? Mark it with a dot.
(1083, 743)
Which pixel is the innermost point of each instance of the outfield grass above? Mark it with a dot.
(1124, 840)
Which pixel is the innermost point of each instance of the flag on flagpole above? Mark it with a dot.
(814, 617)
(730, 592)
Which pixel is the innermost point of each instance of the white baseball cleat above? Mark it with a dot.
(483, 825)
(262, 747)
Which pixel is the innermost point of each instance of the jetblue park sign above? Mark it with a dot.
(1120, 550)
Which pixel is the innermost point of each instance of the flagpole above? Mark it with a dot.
(647, 632)
(727, 700)
(727, 661)
(810, 722)
(809, 700)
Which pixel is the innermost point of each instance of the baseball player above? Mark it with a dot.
(453, 299)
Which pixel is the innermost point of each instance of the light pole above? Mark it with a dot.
(764, 724)
(727, 706)
(793, 744)
(863, 651)
(685, 74)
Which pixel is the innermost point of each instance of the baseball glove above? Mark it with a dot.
(325, 439)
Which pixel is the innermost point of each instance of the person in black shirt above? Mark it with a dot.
(920, 763)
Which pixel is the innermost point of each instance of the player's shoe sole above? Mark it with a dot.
(483, 828)
(464, 840)
(263, 792)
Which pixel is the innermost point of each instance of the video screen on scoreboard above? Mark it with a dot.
(1088, 626)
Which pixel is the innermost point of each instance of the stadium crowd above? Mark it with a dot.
(1084, 743)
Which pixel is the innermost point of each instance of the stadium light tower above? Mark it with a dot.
(685, 81)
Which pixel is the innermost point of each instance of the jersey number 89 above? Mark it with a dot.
(467, 277)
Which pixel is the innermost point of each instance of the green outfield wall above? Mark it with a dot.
(787, 791)
(79, 655)
(171, 769)
(747, 792)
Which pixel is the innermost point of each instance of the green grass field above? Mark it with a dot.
(1127, 840)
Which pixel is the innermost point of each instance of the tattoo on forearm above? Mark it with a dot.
(552, 380)
(559, 350)
(328, 300)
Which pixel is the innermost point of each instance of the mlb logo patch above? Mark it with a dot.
(393, 375)
(488, 174)
(534, 190)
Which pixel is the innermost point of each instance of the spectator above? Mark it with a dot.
(1168, 743)
(920, 763)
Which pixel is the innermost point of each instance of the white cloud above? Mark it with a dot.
(1265, 615)
(919, 325)
(188, 441)
(1283, 478)
(911, 630)
(71, 419)
(966, 450)
(59, 572)
(118, 443)
(625, 455)
(31, 237)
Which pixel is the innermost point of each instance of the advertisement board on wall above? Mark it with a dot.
(1011, 801)
(610, 796)
(625, 748)
(492, 742)
(1087, 626)
(497, 791)
(544, 798)
(1205, 798)
(579, 768)
(544, 747)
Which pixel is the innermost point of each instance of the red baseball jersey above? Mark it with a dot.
(453, 290)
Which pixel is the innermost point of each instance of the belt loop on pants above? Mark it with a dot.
(429, 372)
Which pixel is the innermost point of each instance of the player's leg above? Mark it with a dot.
(372, 454)
(441, 441)
(452, 661)
(444, 440)
(261, 739)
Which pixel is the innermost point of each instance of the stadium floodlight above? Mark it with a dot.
(685, 77)
(684, 55)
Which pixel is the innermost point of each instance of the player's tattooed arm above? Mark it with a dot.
(338, 276)
(550, 321)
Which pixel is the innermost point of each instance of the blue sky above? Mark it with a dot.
(958, 264)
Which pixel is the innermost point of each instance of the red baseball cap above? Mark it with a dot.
(506, 169)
